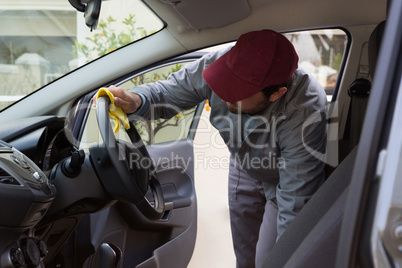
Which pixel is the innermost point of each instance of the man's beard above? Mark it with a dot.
(258, 109)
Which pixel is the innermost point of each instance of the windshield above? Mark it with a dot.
(41, 40)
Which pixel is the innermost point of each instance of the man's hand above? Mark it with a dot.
(128, 101)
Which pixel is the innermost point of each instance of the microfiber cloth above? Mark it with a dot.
(114, 111)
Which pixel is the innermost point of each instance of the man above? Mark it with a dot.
(331, 82)
(266, 112)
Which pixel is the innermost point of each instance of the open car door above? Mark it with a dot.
(121, 236)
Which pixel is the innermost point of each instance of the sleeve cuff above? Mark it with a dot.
(144, 106)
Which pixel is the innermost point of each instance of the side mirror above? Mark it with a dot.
(91, 11)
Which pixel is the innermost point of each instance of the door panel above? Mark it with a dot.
(146, 243)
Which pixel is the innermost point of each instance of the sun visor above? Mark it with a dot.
(210, 13)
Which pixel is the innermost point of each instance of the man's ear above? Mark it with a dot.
(277, 94)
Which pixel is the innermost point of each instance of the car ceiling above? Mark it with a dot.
(190, 21)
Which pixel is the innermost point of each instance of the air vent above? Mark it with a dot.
(6, 178)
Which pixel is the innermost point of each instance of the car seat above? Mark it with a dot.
(311, 240)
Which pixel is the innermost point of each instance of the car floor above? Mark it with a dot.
(213, 246)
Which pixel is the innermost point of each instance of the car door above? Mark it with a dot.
(121, 235)
(371, 229)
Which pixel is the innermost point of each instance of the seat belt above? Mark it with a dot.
(359, 92)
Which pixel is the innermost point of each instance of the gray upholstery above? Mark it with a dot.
(311, 239)
(359, 90)
(374, 46)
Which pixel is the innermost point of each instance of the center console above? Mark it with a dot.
(25, 196)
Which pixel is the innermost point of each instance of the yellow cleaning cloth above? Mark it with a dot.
(114, 111)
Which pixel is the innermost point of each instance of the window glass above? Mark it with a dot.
(161, 130)
(151, 131)
(41, 40)
(320, 53)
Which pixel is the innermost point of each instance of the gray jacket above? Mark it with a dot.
(282, 147)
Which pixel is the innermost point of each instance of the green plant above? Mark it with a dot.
(155, 76)
(337, 61)
(105, 39)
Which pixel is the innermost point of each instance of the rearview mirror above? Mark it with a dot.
(91, 10)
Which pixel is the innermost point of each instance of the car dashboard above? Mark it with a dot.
(28, 151)
(25, 194)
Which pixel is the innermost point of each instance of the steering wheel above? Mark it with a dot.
(126, 169)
